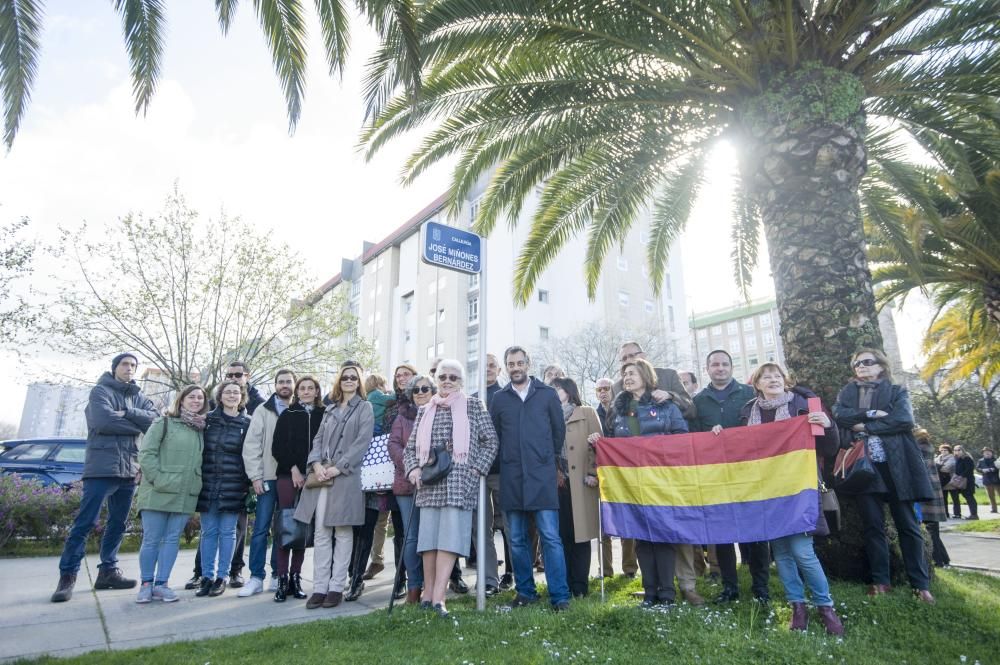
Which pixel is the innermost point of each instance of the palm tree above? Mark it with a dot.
(609, 104)
(143, 23)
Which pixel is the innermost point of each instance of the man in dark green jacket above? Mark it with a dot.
(719, 406)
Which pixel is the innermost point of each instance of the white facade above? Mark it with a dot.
(54, 410)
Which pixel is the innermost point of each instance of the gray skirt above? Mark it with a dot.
(448, 529)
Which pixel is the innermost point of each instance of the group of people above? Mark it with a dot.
(957, 470)
(533, 440)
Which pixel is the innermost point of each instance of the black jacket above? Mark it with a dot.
(490, 392)
(113, 440)
(293, 436)
(223, 477)
(965, 467)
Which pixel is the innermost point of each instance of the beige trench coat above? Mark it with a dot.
(344, 441)
(582, 461)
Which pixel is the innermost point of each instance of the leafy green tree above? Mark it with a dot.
(963, 414)
(609, 104)
(15, 262)
(283, 23)
(191, 296)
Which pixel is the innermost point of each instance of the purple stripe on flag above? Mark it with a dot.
(746, 522)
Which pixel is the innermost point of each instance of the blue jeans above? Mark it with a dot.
(218, 538)
(118, 493)
(161, 535)
(262, 520)
(795, 559)
(547, 524)
(414, 562)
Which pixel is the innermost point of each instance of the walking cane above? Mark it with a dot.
(399, 568)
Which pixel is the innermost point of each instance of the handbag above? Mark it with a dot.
(312, 482)
(293, 534)
(854, 470)
(438, 466)
(956, 483)
(377, 469)
(829, 502)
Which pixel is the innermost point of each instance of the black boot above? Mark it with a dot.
(112, 578)
(282, 591)
(399, 591)
(357, 586)
(295, 586)
(64, 590)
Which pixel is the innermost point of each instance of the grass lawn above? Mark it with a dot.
(979, 526)
(893, 630)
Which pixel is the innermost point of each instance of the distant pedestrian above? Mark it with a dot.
(689, 380)
(170, 459)
(553, 372)
(965, 468)
(988, 469)
(118, 414)
(944, 462)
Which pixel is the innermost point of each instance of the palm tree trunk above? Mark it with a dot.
(804, 183)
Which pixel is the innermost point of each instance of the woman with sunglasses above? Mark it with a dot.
(464, 428)
(417, 394)
(877, 413)
(332, 492)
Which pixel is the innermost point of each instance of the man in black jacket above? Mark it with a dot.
(117, 415)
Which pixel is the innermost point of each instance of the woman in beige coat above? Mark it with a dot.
(336, 455)
(578, 495)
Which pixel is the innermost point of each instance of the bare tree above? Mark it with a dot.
(15, 262)
(191, 297)
(7, 431)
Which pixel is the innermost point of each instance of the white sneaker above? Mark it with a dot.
(252, 586)
(273, 584)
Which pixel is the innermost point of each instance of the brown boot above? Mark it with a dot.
(924, 596)
(800, 617)
(412, 596)
(879, 589)
(373, 570)
(333, 599)
(830, 619)
(693, 597)
(64, 590)
(315, 600)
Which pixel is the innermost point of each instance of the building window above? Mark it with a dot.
(752, 361)
(770, 356)
(717, 330)
(474, 310)
(543, 296)
(702, 333)
(768, 338)
(751, 342)
(406, 335)
(732, 327)
(734, 346)
(473, 282)
(737, 363)
(473, 345)
(440, 348)
(543, 333)
(430, 352)
(474, 209)
(765, 319)
(670, 318)
(623, 298)
(748, 323)
(408, 302)
(649, 306)
(622, 263)
(356, 288)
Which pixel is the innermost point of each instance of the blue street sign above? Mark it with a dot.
(452, 248)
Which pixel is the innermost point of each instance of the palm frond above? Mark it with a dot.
(671, 209)
(334, 24)
(20, 28)
(142, 26)
(746, 241)
(225, 10)
(284, 30)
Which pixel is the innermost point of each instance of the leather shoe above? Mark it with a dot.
(204, 587)
(218, 587)
(507, 581)
(373, 570)
(193, 583)
(727, 596)
(64, 590)
(458, 585)
(333, 598)
(800, 617)
(879, 589)
(112, 578)
(523, 601)
(413, 596)
(355, 591)
(236, 580)
(560, 607)
(830, 620)
(693, 598)
(924, 596)
(315, 600)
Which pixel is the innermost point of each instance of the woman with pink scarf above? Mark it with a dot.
(462, 427)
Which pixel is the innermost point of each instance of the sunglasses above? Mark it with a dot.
(422, 389)
(348, 377)
(449, 377)
(867, 362)
(235, 375)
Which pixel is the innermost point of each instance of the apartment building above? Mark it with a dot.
(54, 410)
(413, 312)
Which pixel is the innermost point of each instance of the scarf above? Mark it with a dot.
(192, 419)
(779, 405)
(458, 403)
(568, 410)
(866, 391)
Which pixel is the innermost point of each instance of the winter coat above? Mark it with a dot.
(988, 469)
(903, 459)
(581, 460)
(712, 412)
(224, 481)
(113, 440)
(460, 488)
(531, 435)
(827, 444)
(399, 434)
(667, 379)
(654, 418)
(933, 510)
(966, 467)
(170, 459)
(258, 458)
(293, 436)
(343, 439)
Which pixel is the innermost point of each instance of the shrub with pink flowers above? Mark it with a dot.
(31, 510)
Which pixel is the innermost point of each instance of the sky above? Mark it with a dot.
(217, 128)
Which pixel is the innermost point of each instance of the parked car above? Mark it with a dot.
(51, 461)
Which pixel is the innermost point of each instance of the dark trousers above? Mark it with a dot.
(118, 494)
(577, 555)
(938, 552)
(286, 499)
(759, 559)
(911, 542)
(364, 536)
(656, 561)
(238, 563)
(969, 493)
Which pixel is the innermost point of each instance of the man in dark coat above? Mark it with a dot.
(529, 422)
(668, 383)
(117, 415)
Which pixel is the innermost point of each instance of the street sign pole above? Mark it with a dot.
(481, 534)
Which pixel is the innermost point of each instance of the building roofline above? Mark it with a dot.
(729, 313)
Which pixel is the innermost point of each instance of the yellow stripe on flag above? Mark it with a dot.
(710, 484)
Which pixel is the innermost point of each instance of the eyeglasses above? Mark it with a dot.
(231, 393)
(867, 362)
(422, 389)
(348, 377)
(235, 375)
(450, 377)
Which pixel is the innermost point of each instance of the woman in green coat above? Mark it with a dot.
(170, 463)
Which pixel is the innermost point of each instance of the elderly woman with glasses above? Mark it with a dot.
(877, 413)
(461, 426)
